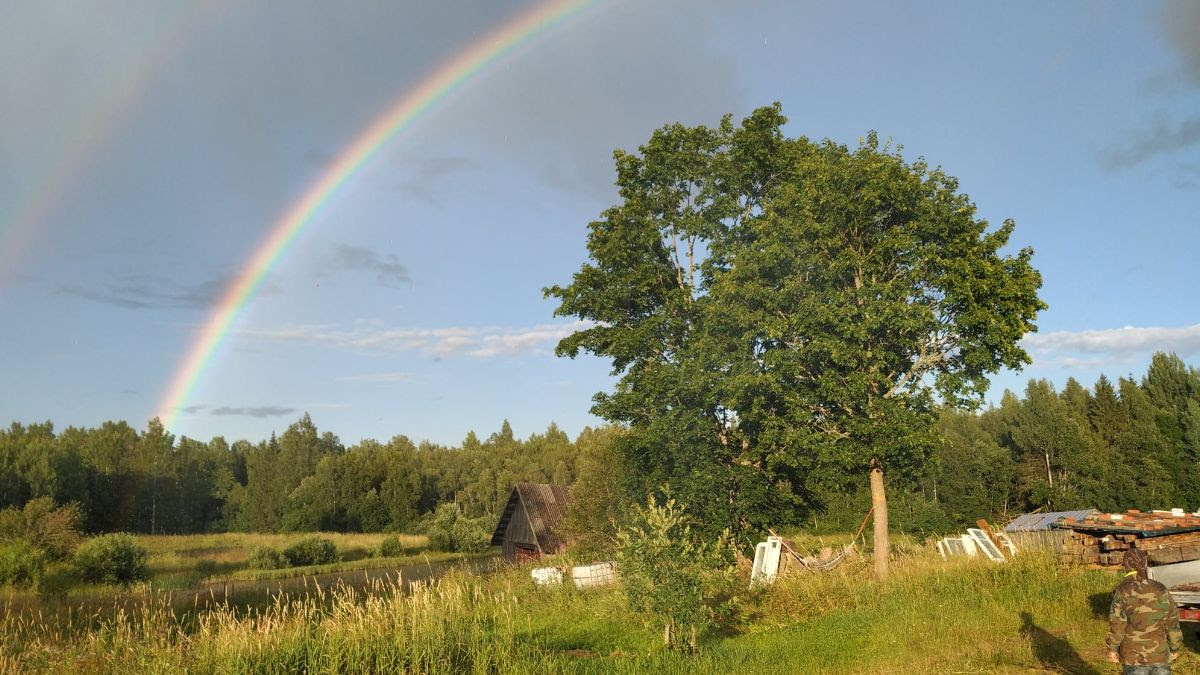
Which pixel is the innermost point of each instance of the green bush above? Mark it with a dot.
(451, 530)
(671, 576)
(472, 535)
(52, 530)
(206, 568)
(392, 547)
(56, 580)
(20, 563)
(266, 558)
(311, 551)
(112, 559)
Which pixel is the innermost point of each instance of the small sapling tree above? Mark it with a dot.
(670, 574)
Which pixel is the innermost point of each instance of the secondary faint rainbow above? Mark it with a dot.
(90, 131)
(446, 78)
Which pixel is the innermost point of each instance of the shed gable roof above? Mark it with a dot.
(546, 507)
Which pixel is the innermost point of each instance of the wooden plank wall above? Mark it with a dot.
(518, 531)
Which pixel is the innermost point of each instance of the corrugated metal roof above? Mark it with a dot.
(1031, 522)
(546, 506)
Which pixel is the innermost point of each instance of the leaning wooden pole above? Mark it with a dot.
(879, 505)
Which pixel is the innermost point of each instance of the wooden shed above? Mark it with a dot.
(532, 521)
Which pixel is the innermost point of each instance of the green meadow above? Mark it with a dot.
(190, 573)
(932, 616)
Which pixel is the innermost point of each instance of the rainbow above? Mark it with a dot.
(445, 79)
(92, 127)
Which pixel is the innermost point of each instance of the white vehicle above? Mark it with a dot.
(1183, 580)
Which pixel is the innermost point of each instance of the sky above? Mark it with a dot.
(148, 149)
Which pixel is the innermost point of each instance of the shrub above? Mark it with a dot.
(53, 530)
(671, 576)
(112, 559)
(311, 551)
(56, 580)
(206, 568)
(266, 558)
(392, 547)
(472, 535)
(452, 531)
(20, 563)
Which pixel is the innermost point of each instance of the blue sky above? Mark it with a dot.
(163, 141)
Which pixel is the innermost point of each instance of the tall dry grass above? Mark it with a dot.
(455, 625)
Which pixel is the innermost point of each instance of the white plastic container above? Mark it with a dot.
(598, 574)
(546, 576)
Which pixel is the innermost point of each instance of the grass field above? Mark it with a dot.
(933, 616)
(192, 572)
(180, 561)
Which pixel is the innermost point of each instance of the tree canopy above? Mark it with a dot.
(783, 313)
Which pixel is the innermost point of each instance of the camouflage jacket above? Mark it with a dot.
(1143, 623)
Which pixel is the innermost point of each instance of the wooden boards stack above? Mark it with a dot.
(1102, 539)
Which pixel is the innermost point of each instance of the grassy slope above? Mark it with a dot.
(932, 617)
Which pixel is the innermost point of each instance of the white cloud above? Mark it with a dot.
(327, 406)
(378, 377)
(1093, 348)
(481, 342)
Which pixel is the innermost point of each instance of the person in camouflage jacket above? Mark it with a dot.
(1143, 633)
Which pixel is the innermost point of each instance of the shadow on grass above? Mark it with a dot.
(1052, 651)
(1099, 604)
(1191, 635)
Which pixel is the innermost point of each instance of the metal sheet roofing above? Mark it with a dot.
(546, 506)
(1032, 522)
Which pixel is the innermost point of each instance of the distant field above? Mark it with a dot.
(175, 561)
(933, 616)
(190, 573)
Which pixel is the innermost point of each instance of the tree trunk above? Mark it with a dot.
(879, 503)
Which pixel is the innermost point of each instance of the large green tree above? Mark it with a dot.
(784, 312)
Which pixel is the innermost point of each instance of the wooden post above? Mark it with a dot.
(879, 504)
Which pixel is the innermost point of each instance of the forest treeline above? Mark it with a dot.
(1128, 444)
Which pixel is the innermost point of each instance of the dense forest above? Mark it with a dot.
(1127, 444)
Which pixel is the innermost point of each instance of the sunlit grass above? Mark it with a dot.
(932, 616)
(184, 561)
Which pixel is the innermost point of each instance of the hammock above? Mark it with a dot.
(824, 565)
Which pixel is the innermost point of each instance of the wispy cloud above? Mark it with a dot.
(378, 377)
(349, 258)
(146, 291)
(253, 411)
(1180, 21)
(478, 343)
(1179, 24)
(1094, 348)
(426, 173)
(1160, 139)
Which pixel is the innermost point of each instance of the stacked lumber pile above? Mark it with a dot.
(1102, 539)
